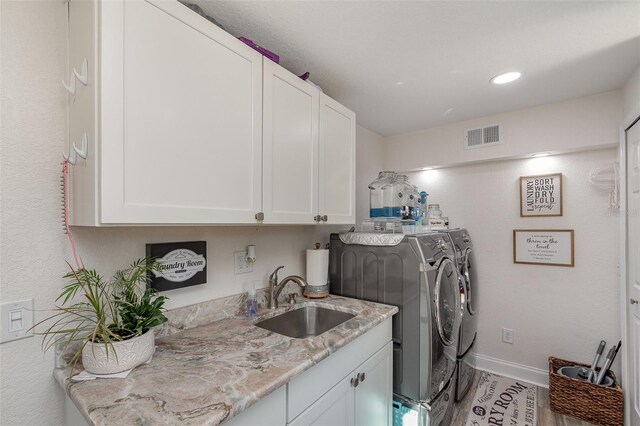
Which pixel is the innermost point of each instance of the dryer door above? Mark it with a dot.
(447, 302)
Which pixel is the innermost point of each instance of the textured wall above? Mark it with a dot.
(554, 310)
(32, 247)
(369, 160)
(584, 123)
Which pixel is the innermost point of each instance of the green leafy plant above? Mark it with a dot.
(138, 310)
(95, 310)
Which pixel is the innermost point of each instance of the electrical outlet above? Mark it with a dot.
(507, 335)
(241, 264)
(16, 319)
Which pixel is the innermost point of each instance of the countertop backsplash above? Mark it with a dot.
(203, 313)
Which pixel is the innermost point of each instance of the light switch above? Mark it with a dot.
(16, 320)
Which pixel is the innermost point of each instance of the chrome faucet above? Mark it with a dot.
(275, 289)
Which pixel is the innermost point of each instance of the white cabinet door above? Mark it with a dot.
(181, 118)
(290, 147)
(334, 408)
(270, 411)
(337, 164)
(374, 394)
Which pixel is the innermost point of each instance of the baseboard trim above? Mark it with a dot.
(532, 375)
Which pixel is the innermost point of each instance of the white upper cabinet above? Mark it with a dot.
(180, 120)
(290, 147)
(309, 153)
(173, 113)
(337, 163)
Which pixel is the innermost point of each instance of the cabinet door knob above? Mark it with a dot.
(633, 301)
(361, 376)
(325, 218)
(355, 382)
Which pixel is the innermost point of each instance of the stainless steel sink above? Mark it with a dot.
(308, 321)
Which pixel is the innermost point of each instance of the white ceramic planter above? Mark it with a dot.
(119, 356)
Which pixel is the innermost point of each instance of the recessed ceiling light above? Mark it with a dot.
(506, 77)
(541, 154)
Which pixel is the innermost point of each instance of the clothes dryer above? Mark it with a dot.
(469, 296)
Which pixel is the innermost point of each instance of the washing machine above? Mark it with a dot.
(469, 297)
(419, 275)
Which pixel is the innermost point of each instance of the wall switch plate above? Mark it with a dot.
(507, 335)
(241, 264)
(16, 319)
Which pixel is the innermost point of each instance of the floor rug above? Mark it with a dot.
(501, 401)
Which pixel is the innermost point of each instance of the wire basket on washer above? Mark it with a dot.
(596, 404)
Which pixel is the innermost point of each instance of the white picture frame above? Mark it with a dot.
(541, 195)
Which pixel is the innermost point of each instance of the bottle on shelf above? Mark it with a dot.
(380, 195)
(435, 217)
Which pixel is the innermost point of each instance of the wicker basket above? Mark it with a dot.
(596, 404)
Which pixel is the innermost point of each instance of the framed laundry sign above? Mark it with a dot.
(541, 195)
(179, 264)
(553, 247)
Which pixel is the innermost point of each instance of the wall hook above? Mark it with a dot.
(71, 158)
(75, 75)
(83, 78)
(71, 87)
(74, 152)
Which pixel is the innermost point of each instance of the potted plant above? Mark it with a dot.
(111, 325)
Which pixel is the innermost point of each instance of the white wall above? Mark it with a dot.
(584, 123)
(554, 310)
(33, 247)
(369, 161)
(631, 96)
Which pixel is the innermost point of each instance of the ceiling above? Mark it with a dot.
(409, 65)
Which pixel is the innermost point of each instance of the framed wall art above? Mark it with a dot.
(541, 195)
(179, 264)
(553, 247)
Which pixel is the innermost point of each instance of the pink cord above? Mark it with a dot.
(65, 175)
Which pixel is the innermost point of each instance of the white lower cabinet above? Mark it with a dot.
(270, 411)
(374, 392)
(362, 398)
(333, 408)
(353, 386)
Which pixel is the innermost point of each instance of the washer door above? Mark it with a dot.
(447, 302)
(469, 273)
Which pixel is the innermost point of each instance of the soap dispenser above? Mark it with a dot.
(252, 303)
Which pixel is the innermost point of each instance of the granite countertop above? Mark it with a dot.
(214, 370)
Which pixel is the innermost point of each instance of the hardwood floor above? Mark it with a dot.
(546, 417)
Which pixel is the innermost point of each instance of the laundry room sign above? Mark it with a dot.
(552, 247)
(179, 264)
(541, 195)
